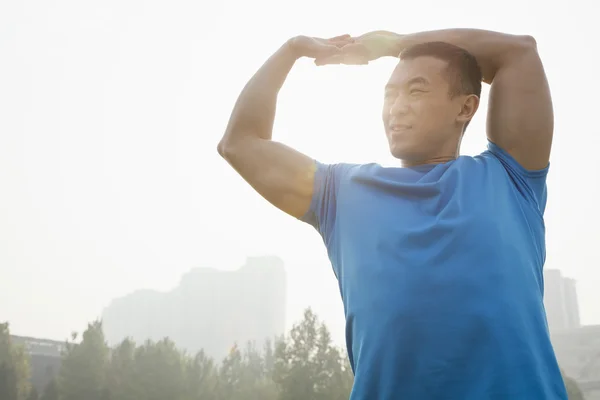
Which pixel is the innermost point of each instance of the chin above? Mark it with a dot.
(404, 153)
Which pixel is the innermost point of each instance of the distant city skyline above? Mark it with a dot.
(209, 310)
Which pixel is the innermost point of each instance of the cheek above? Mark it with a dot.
(432, 112)
(385, 114)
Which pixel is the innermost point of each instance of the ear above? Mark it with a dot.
(469, 106)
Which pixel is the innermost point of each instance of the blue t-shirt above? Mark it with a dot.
(440, 272)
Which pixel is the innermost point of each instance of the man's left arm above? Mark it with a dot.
(520, 116)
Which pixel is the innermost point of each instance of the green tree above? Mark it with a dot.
(257, 378)
(244, 376)
(230, 375)
(160, 371)
(304, 366)
(51, 391)
(33, 395)
(83, 371)
(121, 375)
(14, 368)
(308, 366)
(202, 378)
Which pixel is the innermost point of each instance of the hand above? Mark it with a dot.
(317, 48)
(364, 48)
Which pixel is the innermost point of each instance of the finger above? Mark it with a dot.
(341, 37)
(341, 41)
(341, 44)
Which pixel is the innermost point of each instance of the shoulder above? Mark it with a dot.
(531, 184)
(497, 153)
(340, 173)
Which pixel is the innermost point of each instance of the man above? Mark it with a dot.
(439, 262)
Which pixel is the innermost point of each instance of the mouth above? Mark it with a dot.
(398, 127)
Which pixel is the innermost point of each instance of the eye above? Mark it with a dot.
(416, 91)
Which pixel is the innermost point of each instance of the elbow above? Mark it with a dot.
(516, 47)
(525, 44)
(529, 42)
(221, 148)
(227, 148)
(224, 149)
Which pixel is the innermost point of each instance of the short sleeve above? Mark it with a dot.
(323, 207)
(531, 183)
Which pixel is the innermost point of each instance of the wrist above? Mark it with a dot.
(382, 44)
(290, 48)
(394, 44)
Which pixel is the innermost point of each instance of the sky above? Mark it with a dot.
(110, 113)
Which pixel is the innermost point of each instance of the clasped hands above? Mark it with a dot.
(344, 49)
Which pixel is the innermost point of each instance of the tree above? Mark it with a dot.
(121, 375)
(230, 375)
(160, 371)
(51, 391)
(83, 371)
(14, 368)
(202, 378)
(308, 366)
(303, 366)
(257, 381)
(33, 395)
(244, 376)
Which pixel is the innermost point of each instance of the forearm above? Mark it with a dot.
(254, 111)
(491, 49)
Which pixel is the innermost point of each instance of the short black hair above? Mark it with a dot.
(463, 71)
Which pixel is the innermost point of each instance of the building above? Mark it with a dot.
(578, 353)
(560, 301)
(571, 303)
(210, 310)
(45, 358)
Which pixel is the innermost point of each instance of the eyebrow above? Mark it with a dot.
(413, 81)
(418, 79)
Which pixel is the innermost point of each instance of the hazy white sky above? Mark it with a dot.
(110, 112)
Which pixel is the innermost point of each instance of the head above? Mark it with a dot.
(429, 101)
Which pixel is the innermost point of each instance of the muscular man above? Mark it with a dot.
(439, 262)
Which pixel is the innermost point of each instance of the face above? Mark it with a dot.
(422, 121)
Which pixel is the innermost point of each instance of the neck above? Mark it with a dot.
(428, 161)
(447, 152)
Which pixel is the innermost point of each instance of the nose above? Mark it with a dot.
(399, 106)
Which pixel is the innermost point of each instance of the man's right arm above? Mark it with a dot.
(282, 175)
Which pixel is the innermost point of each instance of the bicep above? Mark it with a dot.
(520, 115)
(280, 174)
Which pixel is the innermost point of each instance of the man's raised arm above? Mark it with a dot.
(280, 174)
(520, 115)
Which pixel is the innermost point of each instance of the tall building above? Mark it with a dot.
(560, 300)
(210, 309)
(571, 303)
